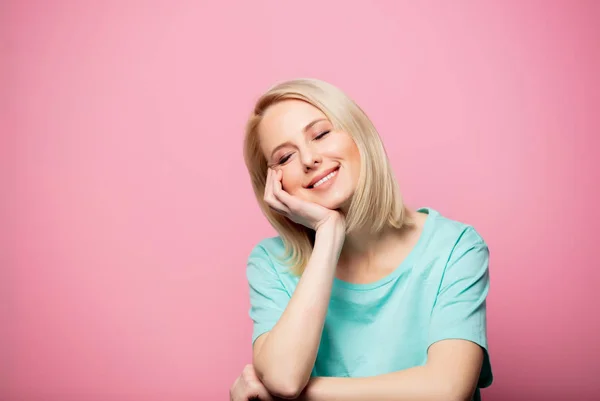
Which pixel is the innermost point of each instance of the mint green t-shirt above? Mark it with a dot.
(438, 292)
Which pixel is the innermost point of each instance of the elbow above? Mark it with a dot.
(285, 389)
(281, 378)
(455, 392)
(283, 386)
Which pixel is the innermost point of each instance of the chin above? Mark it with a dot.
(334, 202)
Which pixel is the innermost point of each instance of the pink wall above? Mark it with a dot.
(127, 214)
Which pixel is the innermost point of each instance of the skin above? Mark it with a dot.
(300, 145)
(298, 155)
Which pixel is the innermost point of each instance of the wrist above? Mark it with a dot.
(333, 230)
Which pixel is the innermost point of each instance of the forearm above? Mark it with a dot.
(414, 384)
(286, 358)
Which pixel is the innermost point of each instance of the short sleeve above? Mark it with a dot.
(268, 296)
(460, 308)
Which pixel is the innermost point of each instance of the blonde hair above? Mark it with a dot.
(376, 203)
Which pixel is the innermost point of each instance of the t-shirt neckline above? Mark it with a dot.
(407, 262)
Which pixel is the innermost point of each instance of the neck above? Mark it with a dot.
(361, 246)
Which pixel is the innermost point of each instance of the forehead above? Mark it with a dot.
(284, 120)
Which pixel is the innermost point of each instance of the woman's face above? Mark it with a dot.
(319, 164)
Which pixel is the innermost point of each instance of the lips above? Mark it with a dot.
(321, 176)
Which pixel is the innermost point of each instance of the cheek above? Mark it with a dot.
(352, 154)
(343, 146)
(354, 163)
(291, 181)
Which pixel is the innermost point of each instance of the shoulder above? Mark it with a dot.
(457, 258)
(267, 249)
(448, 232)
(449, 240)
(266, 265)
(267, 255)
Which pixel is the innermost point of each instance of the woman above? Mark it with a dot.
(359, 297)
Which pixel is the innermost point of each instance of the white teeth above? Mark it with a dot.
(324, 179)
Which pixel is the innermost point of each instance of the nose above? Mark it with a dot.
(310, 159)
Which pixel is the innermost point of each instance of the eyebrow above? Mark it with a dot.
(308, 126)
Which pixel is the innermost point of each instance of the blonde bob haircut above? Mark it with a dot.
(376, 203)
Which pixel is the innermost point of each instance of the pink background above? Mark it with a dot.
(127, 213)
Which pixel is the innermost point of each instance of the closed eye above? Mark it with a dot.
(284, 159)
(321, 135)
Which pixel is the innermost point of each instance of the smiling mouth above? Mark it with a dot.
(325, 179)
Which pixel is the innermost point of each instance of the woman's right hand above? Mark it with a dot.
(248, 387)
(308, 214)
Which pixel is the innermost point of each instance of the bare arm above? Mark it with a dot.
(450, 374)
(457, 331)
(284, 357)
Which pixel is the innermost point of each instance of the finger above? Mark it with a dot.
(280, 208)
(268, 184)
(280, 179)
(234, 391)
(279, 175)
(263, 395)
(276, 186)
(257, 389)
(271, 198)
(290, 202)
